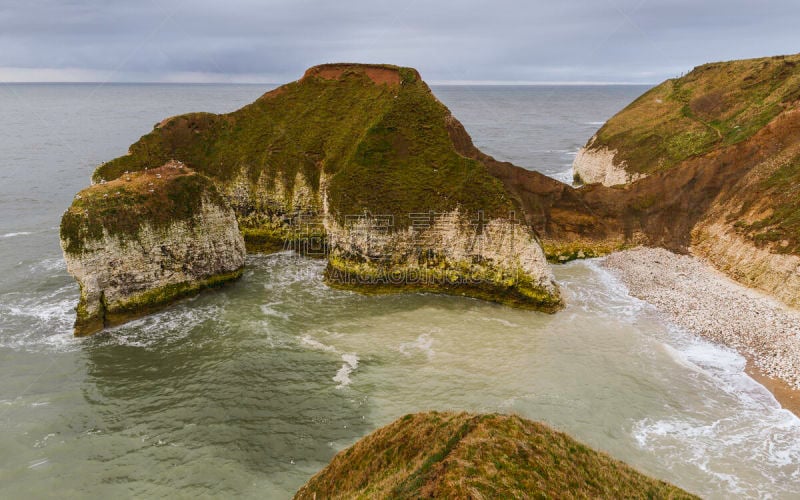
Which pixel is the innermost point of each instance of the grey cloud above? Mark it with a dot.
(510, 40)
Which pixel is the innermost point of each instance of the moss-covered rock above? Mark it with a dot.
(496, 260)
(714, 106)
(146, 239)
(302, 162)
(449, 455)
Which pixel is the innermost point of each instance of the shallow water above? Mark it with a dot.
(250, 389)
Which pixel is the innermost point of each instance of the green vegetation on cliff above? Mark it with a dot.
(713, 106)
(447, 455)
(297, 168)
(775, 201)
(157, 197)
(511, 287)
(375, 131)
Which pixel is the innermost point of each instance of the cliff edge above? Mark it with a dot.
(714, 159)
(714, 106)
(146, 239)
(353, 163)
(449, 455)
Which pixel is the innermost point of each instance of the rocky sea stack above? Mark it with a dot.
(448, 455)
(146, 239)
(358, 164)
(363, 166)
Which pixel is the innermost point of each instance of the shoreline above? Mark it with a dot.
(707, 303)
(786, 395)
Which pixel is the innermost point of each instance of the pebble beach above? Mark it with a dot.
(707, 303)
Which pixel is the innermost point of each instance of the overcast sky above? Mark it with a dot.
(642, 41)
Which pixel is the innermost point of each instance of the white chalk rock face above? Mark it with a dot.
(124, 274)
(498, 260)
(595, 165)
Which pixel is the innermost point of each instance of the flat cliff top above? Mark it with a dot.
(375, 133)
(714, 106)
(381, 74)
(448, 455)
(155, 196)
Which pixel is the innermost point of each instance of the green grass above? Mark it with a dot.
(385, 148)
(715, 105)
(448, 455)
(780, 194)
(158, 198)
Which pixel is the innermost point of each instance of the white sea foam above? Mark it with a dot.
(611, 299)
(11, 235)
(315, 344)
(422, 344)
(595, 123)
(502, 321)
(566, 176)
(269, 310)
(29, 321)
(49, 265)
(343, 375)
(38, 463)
(167, 327)
(682, 359)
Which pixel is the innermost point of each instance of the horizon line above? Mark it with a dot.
(436, 83)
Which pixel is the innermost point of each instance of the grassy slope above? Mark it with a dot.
(385, 146)
(446, 455)
(776, 197)
(713, 106)
(157, 197)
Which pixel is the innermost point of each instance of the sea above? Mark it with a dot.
(249, 390)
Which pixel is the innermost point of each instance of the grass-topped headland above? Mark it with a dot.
(346, 141)
(157, 197)
(461, 455)
(713, 106)
(376, 134)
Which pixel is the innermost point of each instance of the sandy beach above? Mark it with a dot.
(702, 300)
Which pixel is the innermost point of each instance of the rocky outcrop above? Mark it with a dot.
(298, 169)
(775, 273)
(715, 157)
(303, 164)
(496, 260)
(461, 455)
(596, 165)
(139, 242)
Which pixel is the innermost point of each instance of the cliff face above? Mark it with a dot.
(447, 455)
(710, 164)
(596, 165)
(714, 106)
(752, 231)
(303, 164)
(146, 239)
(362, 165)
(497, 260)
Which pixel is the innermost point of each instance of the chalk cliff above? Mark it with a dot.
(363, 166)
(596, 165)
(145, 239)
(710, 163)
(353, 163)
